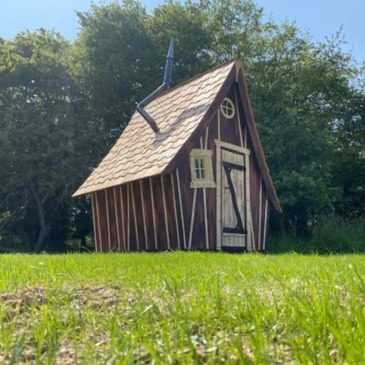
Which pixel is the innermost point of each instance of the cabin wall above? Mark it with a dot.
(138, 216)
(165, 213)
(200, 204)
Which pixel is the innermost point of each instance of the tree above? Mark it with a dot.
(348, 168)
(62, 105)
(303, 95)
(186, 25)
(40, 129)
(299, 90)
(115, 63)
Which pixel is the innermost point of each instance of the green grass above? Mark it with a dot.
(182, 308)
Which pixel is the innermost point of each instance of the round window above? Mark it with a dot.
(227, 108)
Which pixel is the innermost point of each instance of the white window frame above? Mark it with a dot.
(197, 180)
(230, 103)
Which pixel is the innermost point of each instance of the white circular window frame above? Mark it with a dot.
(227, 108)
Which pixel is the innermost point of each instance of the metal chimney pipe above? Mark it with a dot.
(169, 63)
(159, 90)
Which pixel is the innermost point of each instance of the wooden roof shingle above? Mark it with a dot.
(140, 152)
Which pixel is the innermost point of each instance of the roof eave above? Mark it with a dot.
(257, 146)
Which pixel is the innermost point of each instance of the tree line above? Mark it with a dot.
(63, 104)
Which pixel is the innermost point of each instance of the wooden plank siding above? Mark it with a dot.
(230, 131)
(170, 216)
(211, 193)
(187, 195)
(96, 222)
(102, 220)
(131, 216)
(258, 203)
(151, 233)
(123, 214)
(137, 227)
(254, 191)
(112, 232)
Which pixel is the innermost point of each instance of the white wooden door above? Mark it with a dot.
(233, 195)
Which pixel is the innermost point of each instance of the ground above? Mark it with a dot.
(182, 308)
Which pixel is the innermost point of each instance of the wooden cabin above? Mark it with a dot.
(200, 183)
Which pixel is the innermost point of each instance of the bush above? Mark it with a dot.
(283, 243)
(11, 242)
(339, 235)
(73, 244)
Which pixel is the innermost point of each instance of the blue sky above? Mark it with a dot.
(321, 18)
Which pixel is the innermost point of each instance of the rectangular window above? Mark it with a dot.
(201, 169)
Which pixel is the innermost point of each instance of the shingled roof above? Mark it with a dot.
(139, 152)
(179, 112)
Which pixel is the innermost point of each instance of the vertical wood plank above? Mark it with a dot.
(128, 219)
(135, 216)
(253, 248)
(212, 134)
(192, 219)
(143, 215)
(199, 237)
(206, 138)
(98, 221)
(148, 215)
(205, 196)
(255, 176)
(206, 219)
(219, 198)
(153, 214)
(175, 210)
(250, 231)
(238, 119)
(95, 220)
(165, 212)
(265, 224)
(219, 124)
(108, 220)
(171, 217)
(112, 220)
(123, 218)
(117, 218)
(259, 238)
(181, 208)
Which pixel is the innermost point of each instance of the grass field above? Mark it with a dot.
(182, 308)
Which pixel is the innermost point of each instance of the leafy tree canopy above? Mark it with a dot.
(62, 105)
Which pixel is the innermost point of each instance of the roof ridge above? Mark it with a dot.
(232, 60)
